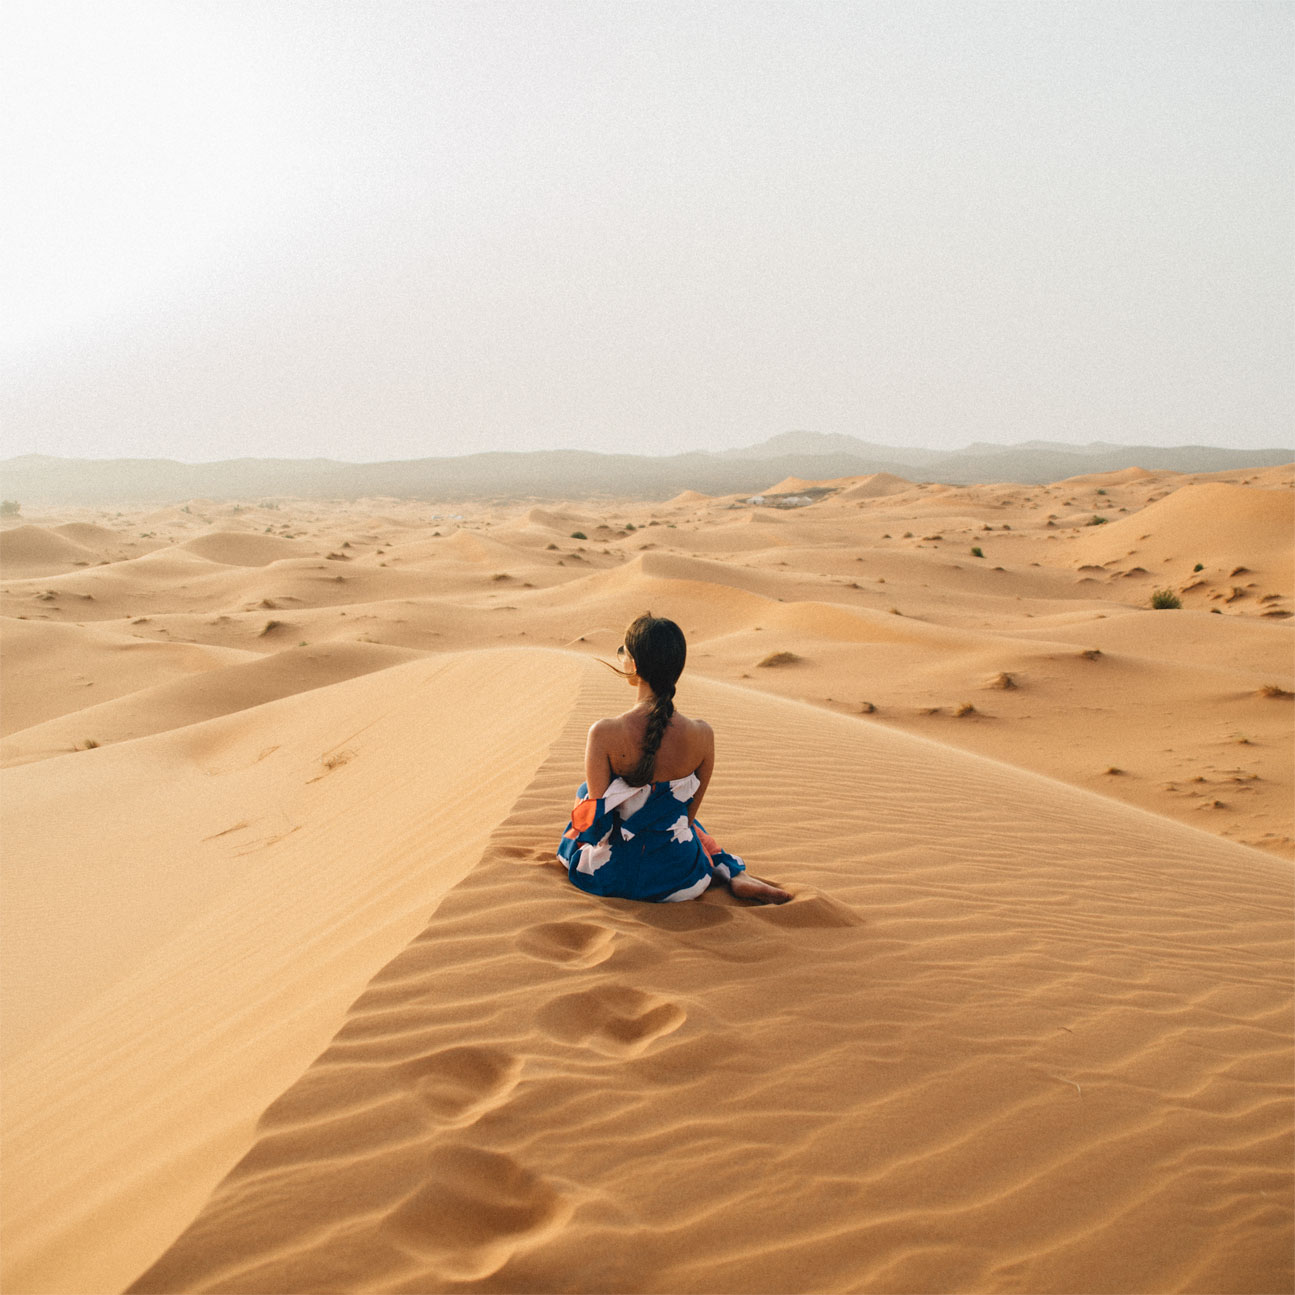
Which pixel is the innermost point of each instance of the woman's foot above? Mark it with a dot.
(745, 886)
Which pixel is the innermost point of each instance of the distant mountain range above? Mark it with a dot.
(42, 481)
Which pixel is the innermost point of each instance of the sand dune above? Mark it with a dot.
(559, 521)
(290, 998)
(1123, 476)
(199, 955)
(34, 550)
(83, 665)
(89, 534)
(220, 690)
(615, 1122)
(240, 549)
(874, 486)
(1221, 526)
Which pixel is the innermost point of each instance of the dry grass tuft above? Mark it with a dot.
(1091, 654)
(965, 708)
(269, 626)
(1114, 770)
(1274, 690)
(779, 658)
(1003, 681)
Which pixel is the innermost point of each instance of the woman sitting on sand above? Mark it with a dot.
(634, 830)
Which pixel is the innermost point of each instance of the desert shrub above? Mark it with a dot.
(10, 508)
(1098, 520)
(977, 552)
(965, 708)
(579, 535)
(1274, 690)
(1200, 566)
(1101, 492)
(1165, 600)
(779, 658)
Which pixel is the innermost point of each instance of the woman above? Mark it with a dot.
(634, 830)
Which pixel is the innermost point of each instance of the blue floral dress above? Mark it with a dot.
(637, 843)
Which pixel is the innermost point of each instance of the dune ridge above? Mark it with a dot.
(196, 960)
(221, 690)
(974, 1067)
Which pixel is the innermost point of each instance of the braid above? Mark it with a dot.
(658, 719)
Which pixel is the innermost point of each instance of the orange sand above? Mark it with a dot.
(294, 1001)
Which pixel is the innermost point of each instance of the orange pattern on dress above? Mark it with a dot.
(582, 816)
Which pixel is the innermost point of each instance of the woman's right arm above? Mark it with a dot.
(598, 768)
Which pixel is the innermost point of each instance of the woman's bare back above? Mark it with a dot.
(687, 746)
(684, 746)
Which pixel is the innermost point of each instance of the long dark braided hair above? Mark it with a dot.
(659, 651)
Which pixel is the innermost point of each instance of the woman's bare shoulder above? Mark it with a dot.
(691, 721)
(699, 732)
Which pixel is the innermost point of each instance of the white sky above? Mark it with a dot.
(370, 229)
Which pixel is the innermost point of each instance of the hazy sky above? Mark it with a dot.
(369, 229)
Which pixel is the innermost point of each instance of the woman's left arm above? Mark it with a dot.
(704, 769)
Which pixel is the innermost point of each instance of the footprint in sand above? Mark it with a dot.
(577, 944)
(475, 1210)
(457, 1084)
(612, 1019)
